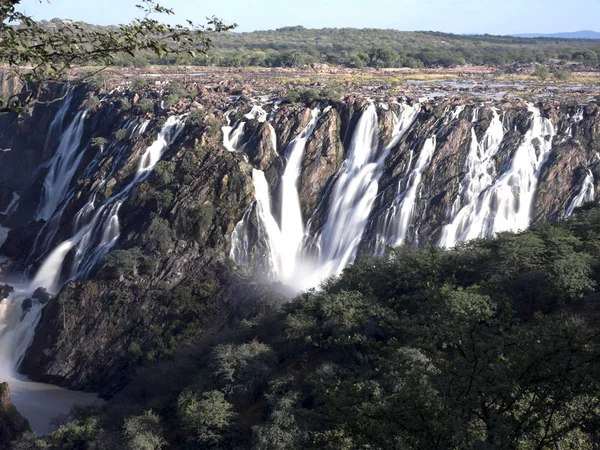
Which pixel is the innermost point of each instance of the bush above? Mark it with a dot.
(99, 143)
(243, 368)
(75, 435)
(99, 81)
(309, 96)
(120, 263)
(331, 92)
(541, 72)
(29, 441)
(139, 83)
(145, 106)
(171, 100)
(164, 198)
(562, 75)
(177, 89)
(188, 163)
(144, 432)
(208, 417)
(147, 266)
(191, 222)
(195, 118)
(164, 173)
(159, 237)
(293, 97)
(92, 102)
(120, 134)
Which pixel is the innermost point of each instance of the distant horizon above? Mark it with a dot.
(447, 16)
(238, 30)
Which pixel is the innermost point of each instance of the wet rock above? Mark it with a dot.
(288, 123)
(260, 147)
(19, 243)
(560, 181)
(26, 305)
(386, 126)
(42, 296)
(177, 225)
(5, 291)
(440, 182)
(322, 159)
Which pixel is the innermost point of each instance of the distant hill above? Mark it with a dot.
(584, 34)
(351, 47)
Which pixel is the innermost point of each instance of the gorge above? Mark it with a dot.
(133, 229)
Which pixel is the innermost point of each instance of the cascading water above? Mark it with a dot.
(487, 202)
(292, 223)
(12, 205)
(394, 224)
(64, 165)
(233, 134)
(480, 172)
(167, 135)
(56, 125)
(586, 194)
(273, 239)
(507, 204)
(280, 243)
(354, 192)
(91, 240)
(288, 247)
(352, 197)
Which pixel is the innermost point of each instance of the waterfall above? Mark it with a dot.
(351, 200)
(586, 194)
(353, 194)
(479, 175)
(393, 227)
(103, 229)
(280, 243)
(48, 274)
(38, 402)
(57, 123)
(92, 240)
(167, 135)
(266, 236)
(457, 112)
(233, 134)
(271, 234)
(282, 250)
(63, 167)
(507, 204)
(292, 224)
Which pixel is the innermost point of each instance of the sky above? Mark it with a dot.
(454, 16)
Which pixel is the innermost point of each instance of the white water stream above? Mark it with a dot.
(393, 227)
(587, 193)
(480, 172)
(301, 251)
(96, 231)
(507, 203)
(350, 203)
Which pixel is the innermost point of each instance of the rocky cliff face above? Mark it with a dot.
(12, 424)
(168, 227)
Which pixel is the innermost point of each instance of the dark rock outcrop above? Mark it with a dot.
(322, 159)
(12, 424)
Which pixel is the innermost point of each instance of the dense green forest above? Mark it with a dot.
(297, 46)
(493, 345)
(358, 48)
